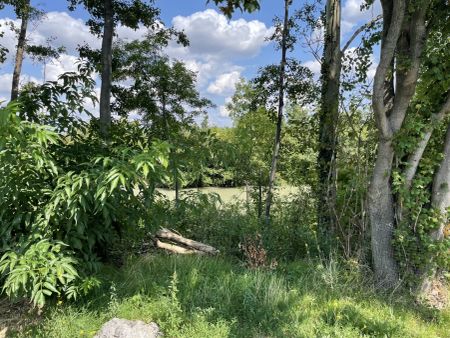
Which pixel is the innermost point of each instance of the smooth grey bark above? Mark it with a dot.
(441, 189)
(21, 42)
(403, 40)
(106, 76)
(276, 149)
(328, 120)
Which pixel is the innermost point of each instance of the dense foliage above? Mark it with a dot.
(68, 214)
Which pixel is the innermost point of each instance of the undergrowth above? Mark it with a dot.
(217, 297)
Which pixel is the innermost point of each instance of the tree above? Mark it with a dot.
(253, 135)
(106, 75)
(403, 39)
(298, 157)
(284, 45)
(106, 14)
(328, 119)
(163, 91)
(298, 88)
(45, 53)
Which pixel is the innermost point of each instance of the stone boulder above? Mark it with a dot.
(123, 328)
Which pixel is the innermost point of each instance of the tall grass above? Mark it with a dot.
(216, 297)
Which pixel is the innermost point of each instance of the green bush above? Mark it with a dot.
(45, 207)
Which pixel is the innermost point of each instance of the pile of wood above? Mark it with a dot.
(172, 242)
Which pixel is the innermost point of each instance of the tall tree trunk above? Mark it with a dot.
(276, 149)
(381, 214)
(25, 13)
(105, 91)
(381, 201)
(328, 120)
(403, 35)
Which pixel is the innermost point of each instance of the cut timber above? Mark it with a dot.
(194, 246)
(177, 249)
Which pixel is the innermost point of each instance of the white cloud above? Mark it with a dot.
(224, 84)
(212, 35)
(215, 42)
(66, 31)
(5, 83)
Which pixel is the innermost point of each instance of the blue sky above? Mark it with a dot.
(221, 50)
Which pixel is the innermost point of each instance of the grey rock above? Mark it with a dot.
(123, 328)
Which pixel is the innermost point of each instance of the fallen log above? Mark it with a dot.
(192, 246)
(177, 249)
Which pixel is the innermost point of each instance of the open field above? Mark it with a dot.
(228, 195)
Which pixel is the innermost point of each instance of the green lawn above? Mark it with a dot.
(215, 297)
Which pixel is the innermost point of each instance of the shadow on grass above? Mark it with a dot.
(302, 300)
(213, 297)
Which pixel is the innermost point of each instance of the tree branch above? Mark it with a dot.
(358, 31)
(407, 80)
(386, 56)
(415, 157)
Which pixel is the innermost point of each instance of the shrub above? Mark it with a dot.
(45, 207)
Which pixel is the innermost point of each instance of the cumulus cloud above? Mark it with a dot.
(66, 31)
(5, 83)
(224, 84)
(216, 43)
(212, 35)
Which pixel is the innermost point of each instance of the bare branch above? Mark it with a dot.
(358, 31)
